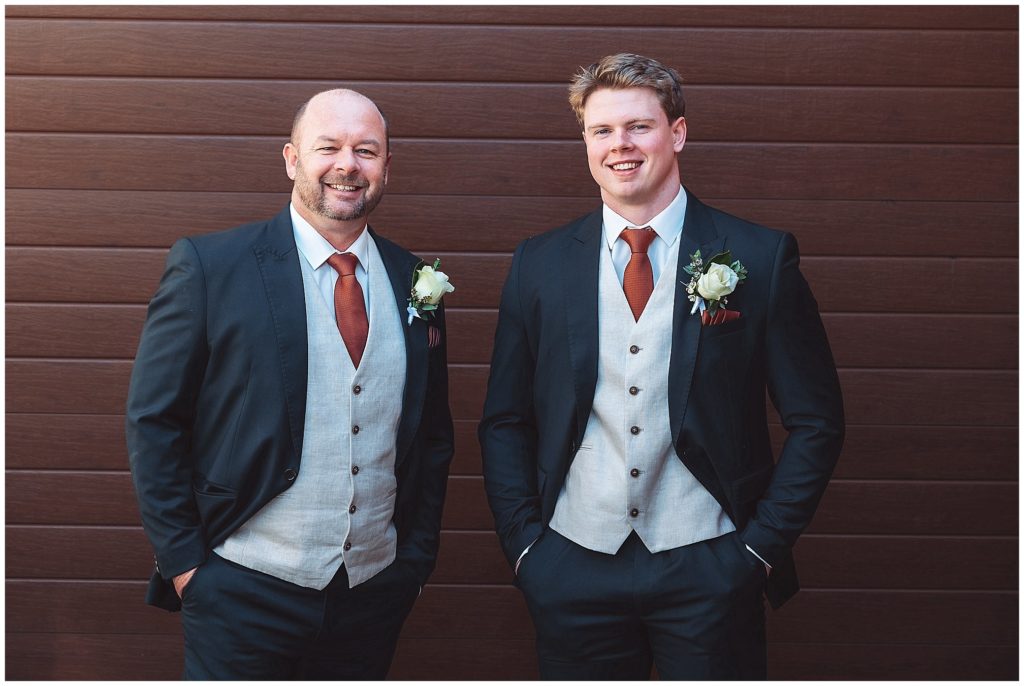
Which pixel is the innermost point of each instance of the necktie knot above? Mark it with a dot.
(344, 264)
(638, 240)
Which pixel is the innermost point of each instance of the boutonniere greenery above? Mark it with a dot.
(712, 281)
(428, 287)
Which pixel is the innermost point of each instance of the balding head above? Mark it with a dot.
(336, 98)
(338, 158)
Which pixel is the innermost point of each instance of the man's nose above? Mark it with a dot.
(346, 161)
(621, 140)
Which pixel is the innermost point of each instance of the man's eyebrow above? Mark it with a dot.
(328, 139)
(631, 121)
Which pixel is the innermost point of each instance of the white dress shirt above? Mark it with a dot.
(316, 249)
(667, 224)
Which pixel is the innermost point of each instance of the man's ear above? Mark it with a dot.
(291, 158)
(387, 168)
(678, 134)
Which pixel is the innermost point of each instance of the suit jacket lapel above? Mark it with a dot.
(400, 264)
(580, 285)
(279, 267)
(698, 233)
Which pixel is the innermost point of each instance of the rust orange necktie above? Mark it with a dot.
(638, 279)
(349, 306)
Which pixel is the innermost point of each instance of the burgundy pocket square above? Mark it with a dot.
(721, 316)
(433, 336)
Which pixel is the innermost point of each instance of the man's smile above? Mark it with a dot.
(625, 167)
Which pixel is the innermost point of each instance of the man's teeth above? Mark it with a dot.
(624, 166)
(338, 187)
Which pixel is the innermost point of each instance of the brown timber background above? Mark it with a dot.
(885, 138)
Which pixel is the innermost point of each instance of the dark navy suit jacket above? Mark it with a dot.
(544, 372)
(217, 400)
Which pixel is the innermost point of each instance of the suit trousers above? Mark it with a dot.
(695, 612)
(244, 624)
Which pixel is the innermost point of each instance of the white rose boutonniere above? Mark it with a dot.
(429, 285)
(712, 281)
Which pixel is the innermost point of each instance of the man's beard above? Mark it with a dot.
(315, 199)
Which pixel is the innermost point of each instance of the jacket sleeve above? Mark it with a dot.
(162, 395)
(804, 387)
(508, 430)
(420, 548)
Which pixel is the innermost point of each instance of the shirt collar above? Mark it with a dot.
(316, 249)
(668, 223)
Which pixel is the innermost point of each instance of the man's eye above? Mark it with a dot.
(601, 132)
(638, 127)
(366, 153)
(326, 149)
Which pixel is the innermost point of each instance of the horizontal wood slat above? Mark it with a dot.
(229, 49)
(499, 612)
(460, 167)
(536, 111)
(884, 397)
(841, 662)
(159, 657)
(825, 561)
(840, 284)
(429, 223)
(72, 441)
(937, 17)
(849, 507)
(907, 341)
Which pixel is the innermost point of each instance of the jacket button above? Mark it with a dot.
(634, 472)
(348, 545)
(634, 512)
(634, 430)
(355, 429)
(355, 469)
(357, 389)
(290, 474)
(634, 349)
(352, 509)
(633, 390)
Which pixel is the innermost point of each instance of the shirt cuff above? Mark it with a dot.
(747, 546)
(522, 555)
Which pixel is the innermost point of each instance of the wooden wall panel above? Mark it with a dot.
(498, 612)
(896, 507)
(939, 17)
(266, 50)
(878, 397)
(148, 657)
(474, 557)
(147, 106)
(497, 223)
(777, 170)
(927, 285)
(972, 341)
(884, 138)
(89, 441)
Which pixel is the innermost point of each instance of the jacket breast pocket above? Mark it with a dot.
(719, 331)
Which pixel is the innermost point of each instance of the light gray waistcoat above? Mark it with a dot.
(595, 504)
(300, 536)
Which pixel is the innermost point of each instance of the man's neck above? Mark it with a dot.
(340, 234)
(642, 213)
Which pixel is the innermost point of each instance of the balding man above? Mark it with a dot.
(288, 425)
